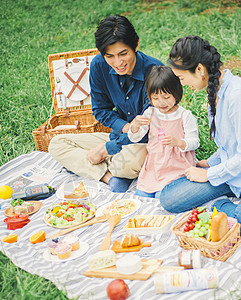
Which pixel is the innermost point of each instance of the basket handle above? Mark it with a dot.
(77, 124)
(43, 130)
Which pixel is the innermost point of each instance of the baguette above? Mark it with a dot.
(219, 226)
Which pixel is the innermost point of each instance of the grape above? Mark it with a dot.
(198, 225)
(195, 230)
(207, 226)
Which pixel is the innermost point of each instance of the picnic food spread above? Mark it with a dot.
(102, 259)
(118, 289)
(11, 238)
(121, 207)
(17, 221)
(129, 264)
(79, 192)
(20, 206)
(129, 240)
(5, 192)
(196, 225)
(150, 221)
(66, 214)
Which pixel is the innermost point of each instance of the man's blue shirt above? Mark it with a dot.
(107, 93)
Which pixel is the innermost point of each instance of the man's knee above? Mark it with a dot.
(53, 145)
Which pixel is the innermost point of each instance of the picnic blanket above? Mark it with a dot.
(68, 276)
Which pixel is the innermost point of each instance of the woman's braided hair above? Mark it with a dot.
(187, 53)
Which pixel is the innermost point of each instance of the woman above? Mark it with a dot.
(197, 64)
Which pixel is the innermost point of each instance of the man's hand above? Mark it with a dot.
(196, 174)
(202, 164)
(97, 154)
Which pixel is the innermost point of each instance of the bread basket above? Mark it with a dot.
(220, 250)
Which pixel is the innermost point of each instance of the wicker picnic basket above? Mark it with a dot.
(70, 98)
(220, 250)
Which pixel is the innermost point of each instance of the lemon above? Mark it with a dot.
(37, 237)
(5, 192)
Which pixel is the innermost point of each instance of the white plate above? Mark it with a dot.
(84, 247)
(67, 188)
(100, 210)
(67, 84)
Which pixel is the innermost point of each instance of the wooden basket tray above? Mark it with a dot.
(220, 250)
(73, 119)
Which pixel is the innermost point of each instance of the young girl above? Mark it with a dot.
(198, 65)
(173, 133)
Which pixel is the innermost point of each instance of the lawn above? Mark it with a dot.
(31, 30)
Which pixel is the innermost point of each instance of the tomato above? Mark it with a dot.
(71, 206)
(194, 219)
(68, 218)
(191, 226)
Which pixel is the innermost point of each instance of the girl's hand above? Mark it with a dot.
(174, 142)
(126, 128)
(202, 164)
(139, 121)
(196, 174)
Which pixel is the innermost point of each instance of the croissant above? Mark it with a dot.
(130, 240)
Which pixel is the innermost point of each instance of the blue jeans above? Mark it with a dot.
(182, 194)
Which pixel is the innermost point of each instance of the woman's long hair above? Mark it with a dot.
(187, 53)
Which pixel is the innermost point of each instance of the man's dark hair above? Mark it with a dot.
(115, 29)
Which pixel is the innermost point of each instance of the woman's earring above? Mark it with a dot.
(202, 74)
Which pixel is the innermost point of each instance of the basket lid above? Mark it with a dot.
(69, 78)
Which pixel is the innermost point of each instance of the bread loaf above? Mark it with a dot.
(130, 240)
(219, 226)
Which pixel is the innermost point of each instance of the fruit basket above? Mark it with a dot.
(70, 90)
(220, 250)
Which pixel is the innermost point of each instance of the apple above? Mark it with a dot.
(118, 290)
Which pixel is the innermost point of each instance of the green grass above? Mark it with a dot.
(33, 29)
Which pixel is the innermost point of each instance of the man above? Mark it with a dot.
(117, 82)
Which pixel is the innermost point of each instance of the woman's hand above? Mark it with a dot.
(139, 121)
(196, 174)
(202, 164)
(97, 154)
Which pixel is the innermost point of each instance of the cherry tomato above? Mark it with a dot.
(194, 219)
(191, 226)
(68, 218)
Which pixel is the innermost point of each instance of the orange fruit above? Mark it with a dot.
(12, 238)
(38, 237)
(5, 192)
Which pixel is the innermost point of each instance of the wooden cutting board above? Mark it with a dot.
(149, 266)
